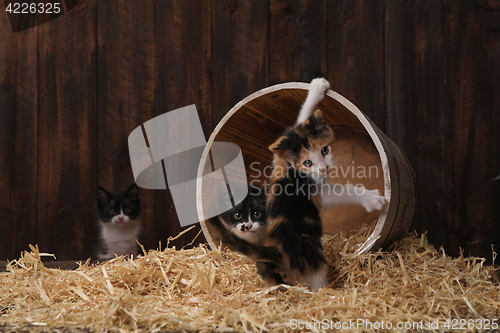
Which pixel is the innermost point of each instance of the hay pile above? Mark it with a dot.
(203, 290)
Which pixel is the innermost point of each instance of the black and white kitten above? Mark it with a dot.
(247, 220)
(119, 222)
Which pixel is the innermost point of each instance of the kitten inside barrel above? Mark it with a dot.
(247, 220)
(317, 157)
(119, 222)
(292, 252)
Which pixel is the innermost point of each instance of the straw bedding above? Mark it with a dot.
(203, 290)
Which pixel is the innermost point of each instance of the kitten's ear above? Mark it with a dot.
(318, 122)
(282, 148)
(318, 114)
(132, 191)
(102, 196)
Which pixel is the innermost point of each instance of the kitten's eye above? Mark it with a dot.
(257, 214)
(126, 210)
(112, 211)
(237, 216)
(325, 150)
(308, 163)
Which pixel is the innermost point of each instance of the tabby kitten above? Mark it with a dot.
(119, 222)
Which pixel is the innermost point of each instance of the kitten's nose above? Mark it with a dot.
(245, 228)
(121, 218)
(322, 168)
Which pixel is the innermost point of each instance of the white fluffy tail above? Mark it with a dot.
(316, 93)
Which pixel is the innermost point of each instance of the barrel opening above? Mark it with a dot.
(365, 156)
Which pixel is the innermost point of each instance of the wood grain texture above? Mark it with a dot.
(240, 51)
(415, 96)
(67, 133)
(355, 33)
(472, 34)
(127, 81)
(70, 4)
(18, 137)
(184, 77)
(297, 40)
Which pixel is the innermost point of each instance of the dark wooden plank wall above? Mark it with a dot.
(126, 89)
(19, 137)
(67, 132)
(472, 105)
(414, 99)
(184, 76)
(427, 73)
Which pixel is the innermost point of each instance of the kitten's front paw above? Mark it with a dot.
(372, 200)
(319, 85)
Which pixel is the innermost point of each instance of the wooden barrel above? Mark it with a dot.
(259, 119)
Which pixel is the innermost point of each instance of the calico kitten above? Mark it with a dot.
(119, 222)
(292, 252)
(319, 157)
